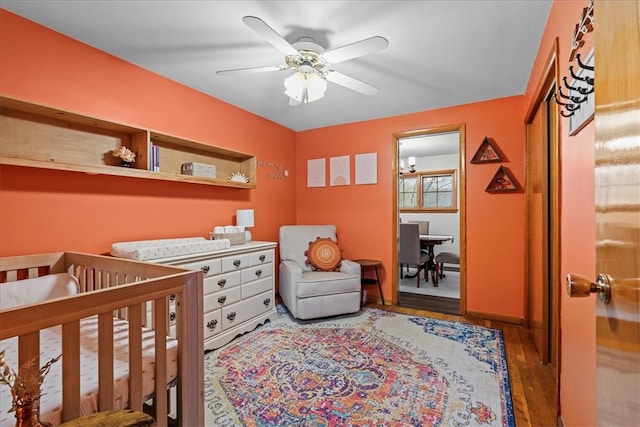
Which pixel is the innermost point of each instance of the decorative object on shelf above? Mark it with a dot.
(488, 152)
(244, 217)
(238, 177)
(25, 389)
(199, 169)
(127, 157)
(503, 181)
(578, 102)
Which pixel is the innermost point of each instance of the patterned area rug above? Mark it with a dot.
(373, 368)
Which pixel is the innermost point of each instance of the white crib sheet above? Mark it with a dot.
(50, 344)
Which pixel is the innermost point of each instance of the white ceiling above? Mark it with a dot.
(441, 53)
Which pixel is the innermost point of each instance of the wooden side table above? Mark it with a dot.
(369, 263)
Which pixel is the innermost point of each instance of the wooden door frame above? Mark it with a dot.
(548, 80)
(462, 208)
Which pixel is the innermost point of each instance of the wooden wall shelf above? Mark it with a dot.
(488, 152)
(503, 182)
(47, 138)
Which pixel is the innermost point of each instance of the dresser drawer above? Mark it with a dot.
(212, 323)
(223, 281)
(262, 257)
(246, 309)
(219, 299)
(208, 267)
(235, 262)
(255, 273)
(257, 287)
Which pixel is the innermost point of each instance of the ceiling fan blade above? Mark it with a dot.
(350, 83)
(270, 35)
(354, 50)
(252, 70)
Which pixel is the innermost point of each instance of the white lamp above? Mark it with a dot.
(412, 164)
(304, 87)
(245, 217)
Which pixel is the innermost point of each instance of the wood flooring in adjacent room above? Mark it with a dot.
(533, 387)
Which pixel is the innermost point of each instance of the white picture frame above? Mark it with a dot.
(366, 168)
(316, 173)
(340, 173)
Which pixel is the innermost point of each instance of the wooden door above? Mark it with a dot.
(543, 218)
(617, 181)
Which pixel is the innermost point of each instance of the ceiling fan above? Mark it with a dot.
(310, 61)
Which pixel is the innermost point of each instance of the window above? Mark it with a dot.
(433, 191)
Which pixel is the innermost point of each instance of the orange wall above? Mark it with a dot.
(577, 347)
(53, 210)
(364, 213)
(45, 211)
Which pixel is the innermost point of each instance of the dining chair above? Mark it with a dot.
(410, 253)
(423, 226)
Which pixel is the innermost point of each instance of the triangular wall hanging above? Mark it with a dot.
(502, 182)
(488, 152)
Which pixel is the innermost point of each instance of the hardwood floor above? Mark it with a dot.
(429, 303)
(533, 387)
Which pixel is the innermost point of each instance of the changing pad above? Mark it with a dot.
(143, 250)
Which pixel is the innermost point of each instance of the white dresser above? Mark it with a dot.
(239, 289)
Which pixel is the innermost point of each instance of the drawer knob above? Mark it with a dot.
(172, 316)
(258, 273)
(267, 301)
(231, 316)
(262, 258)
(237, 263)
(222, 299)
(205, 269)
(222, 282)
(211, 324)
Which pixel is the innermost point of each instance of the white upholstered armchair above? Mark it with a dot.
(310, 294)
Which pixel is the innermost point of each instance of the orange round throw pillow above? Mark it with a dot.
(324, 255)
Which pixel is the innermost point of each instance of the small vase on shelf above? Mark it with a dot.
(125, 164)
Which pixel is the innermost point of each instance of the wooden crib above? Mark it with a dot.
(141, 293)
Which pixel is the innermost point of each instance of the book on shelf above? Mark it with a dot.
(154, 158)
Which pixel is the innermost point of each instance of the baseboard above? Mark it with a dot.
(495, 317)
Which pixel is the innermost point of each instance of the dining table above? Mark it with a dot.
(429, 241)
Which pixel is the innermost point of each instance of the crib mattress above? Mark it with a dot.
(144, 250)
(50, 344)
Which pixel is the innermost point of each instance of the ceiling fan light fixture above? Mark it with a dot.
(305, 87)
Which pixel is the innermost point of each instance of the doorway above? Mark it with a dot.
(429, 188)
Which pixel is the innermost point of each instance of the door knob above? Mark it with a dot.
(579, 286)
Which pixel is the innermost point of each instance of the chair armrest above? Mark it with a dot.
(291, 271)
(350, 267)
(290, 274)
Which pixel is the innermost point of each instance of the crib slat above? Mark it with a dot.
(160, 309)
(105, 361)
(135, 356)
(71, 370)
(28, 348)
